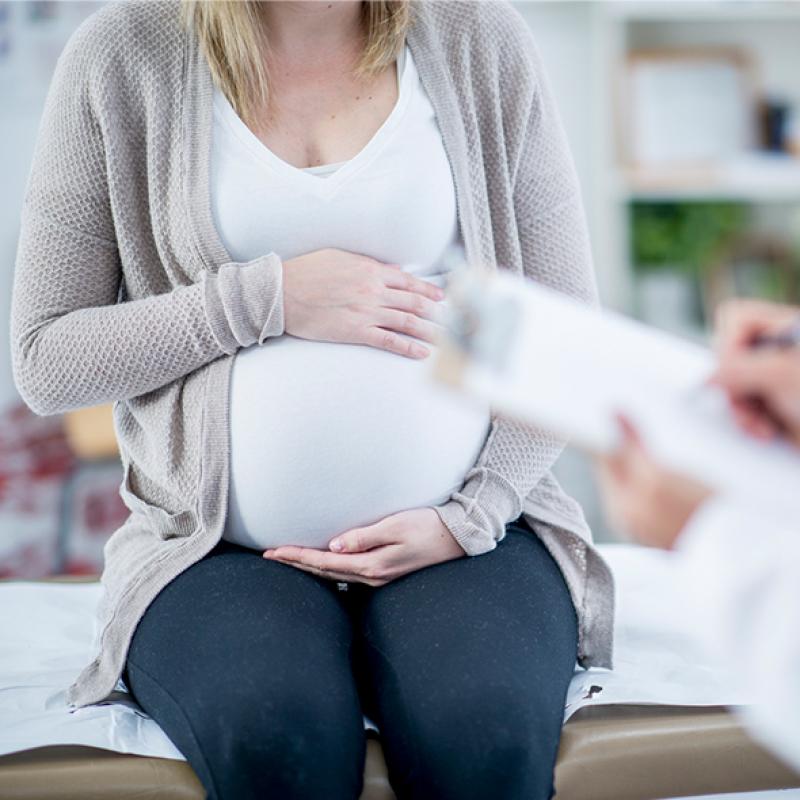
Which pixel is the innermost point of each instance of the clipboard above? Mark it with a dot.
(544, 358)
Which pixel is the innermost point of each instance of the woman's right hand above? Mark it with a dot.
(333, 295)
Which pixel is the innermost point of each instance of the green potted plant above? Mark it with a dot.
(673, 245)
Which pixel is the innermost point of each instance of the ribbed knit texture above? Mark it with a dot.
(124, 292)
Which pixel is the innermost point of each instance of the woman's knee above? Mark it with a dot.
(480, 743)
(249, 741)
(288, 745)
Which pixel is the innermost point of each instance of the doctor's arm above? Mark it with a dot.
(739, 576)
(738, 566)
(737, 580)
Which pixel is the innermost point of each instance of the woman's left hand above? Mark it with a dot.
(644, 500)
(376, 554)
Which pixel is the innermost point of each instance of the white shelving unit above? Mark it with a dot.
(769, 29)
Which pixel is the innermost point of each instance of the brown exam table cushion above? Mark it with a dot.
(607, 753)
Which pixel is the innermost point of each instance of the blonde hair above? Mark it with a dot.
(235, 44)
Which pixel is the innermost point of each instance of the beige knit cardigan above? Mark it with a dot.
(124, 292)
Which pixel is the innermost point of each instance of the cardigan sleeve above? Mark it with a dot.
(555, 252)
(73, 343)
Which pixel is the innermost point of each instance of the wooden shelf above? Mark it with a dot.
(691, 10)
(760, 179)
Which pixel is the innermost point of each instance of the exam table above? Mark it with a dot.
(616, 753)
(656, 727)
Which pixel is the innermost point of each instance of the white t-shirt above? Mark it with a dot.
(353, 433)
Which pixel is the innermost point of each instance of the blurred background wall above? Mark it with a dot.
(684, 122)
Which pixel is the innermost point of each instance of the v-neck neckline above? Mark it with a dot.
(322, 187)
(197, 126)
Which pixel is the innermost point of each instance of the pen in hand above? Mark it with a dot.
(758, 388)
(790, 337)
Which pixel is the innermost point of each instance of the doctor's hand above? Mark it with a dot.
(378, 553)
(642, 499)
(762, 384)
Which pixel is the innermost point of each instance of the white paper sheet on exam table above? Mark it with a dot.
(569, 368)
(46, 632)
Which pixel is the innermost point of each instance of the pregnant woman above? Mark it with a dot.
(235, 230)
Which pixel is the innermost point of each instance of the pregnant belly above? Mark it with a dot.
(326, 437)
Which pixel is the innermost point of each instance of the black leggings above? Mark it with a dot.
(259, 673)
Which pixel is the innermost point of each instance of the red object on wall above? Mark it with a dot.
(56, 511)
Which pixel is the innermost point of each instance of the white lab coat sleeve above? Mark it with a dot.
(739, 571)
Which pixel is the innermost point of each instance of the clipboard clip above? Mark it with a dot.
(480, 321)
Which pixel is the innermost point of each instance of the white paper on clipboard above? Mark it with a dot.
(569, 368)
